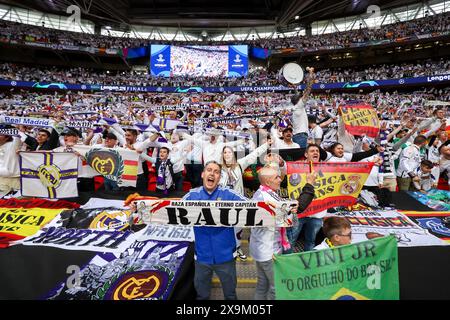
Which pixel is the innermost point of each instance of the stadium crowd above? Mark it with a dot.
(11, 31)
(256, 76)
(209, 140)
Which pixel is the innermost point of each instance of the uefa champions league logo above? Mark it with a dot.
(237, 59)
(160, 58)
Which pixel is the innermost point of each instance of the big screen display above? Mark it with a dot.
(199, 61)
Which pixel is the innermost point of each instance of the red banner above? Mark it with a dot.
(338, 184)
(360, 119)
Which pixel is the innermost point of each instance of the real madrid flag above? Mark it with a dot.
(49, 175)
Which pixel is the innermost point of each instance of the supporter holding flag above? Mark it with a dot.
(46, 139)
(266, 242)
(85, 181)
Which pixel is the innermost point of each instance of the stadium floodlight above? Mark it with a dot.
(297, 17)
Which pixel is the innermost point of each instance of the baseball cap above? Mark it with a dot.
(110, 135)
(71, 132)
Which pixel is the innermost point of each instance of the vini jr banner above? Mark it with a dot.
(215, 213)
(362, 271)
(360, 119)
(338, 184)
(48, 175)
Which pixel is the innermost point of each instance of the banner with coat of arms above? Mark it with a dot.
(119, 165)
(338, 184)
(146, 270)
(48, 175)
(360, 119)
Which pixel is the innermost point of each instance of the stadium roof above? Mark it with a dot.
(208, 13)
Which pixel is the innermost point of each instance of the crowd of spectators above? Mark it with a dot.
(390, 105)
(11, 31)
(256, 76)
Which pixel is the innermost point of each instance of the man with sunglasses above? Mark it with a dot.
(338, 232)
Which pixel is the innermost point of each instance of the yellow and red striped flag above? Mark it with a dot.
(360, 119)
(338, 184)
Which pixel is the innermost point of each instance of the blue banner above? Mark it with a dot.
(160, 60)
(237, 61)
(319, 86)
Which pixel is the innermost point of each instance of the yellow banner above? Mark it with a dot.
(25, 222)
(337, 184)
(360, 119)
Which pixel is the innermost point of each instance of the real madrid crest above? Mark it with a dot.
(49, 175)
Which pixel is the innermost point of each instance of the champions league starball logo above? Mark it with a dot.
(49, 175)
(160, 58)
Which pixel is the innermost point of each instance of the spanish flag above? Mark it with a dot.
(338, 184)
(359, 119)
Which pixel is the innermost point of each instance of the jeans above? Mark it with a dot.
(301, 138)
(312, 227)
(226, 273)
(265, 287)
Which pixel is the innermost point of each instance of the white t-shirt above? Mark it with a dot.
(316, 133)
(299, 118)
(280, 144)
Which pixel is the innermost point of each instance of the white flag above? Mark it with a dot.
(49, 175)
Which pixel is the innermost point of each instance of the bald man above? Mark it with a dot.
(265, 242)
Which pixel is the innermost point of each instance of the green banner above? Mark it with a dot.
(361, 271)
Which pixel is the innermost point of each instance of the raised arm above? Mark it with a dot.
(252, 157)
